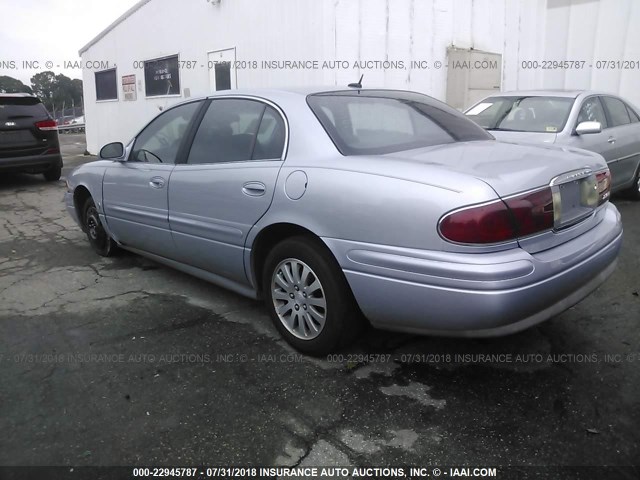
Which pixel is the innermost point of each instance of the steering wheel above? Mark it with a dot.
(147, 152)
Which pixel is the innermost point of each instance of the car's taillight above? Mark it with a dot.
(47, 125)
(603, 180)
(502, 220)
(491, 223)
(533, 212)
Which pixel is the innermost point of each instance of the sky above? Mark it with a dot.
(51, 31)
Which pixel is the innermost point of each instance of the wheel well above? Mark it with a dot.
(80, 196)
(269, 238)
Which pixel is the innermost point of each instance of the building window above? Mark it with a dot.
(106, 85)
(223, 76)
(161, 76)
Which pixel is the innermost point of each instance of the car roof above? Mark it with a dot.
(301, 91)
(275, 94)
(549, 93)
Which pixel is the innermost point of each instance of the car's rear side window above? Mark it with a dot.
(12, 108)
(236, 130)
(633, 115)
(617, 111)
(271, 136)
(374, 122)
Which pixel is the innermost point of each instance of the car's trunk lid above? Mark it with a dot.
(510, 169)
(507, 168)
(534, 138)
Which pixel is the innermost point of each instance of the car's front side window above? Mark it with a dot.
(160, 141)
(237, 129)
(592, 111)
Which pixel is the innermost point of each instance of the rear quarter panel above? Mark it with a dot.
(347, 203)
(347, 198)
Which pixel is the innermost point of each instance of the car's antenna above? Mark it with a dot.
(357, 85)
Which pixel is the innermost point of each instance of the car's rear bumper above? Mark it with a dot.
(31, 163)
(485, 294)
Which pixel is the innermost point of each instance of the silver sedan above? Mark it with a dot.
(595, 121)
(345, 204)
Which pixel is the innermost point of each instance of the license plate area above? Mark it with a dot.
(575, 197)
(16, 137)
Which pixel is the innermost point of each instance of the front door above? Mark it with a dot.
(592, 110)
(135, 191)
(226, 184)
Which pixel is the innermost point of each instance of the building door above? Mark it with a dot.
(222, 71)
(471, 76)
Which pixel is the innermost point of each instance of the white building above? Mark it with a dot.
(160, 51)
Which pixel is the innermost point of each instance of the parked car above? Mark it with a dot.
(28, 137)
(599, 122)
(76, 125)
(329, 204)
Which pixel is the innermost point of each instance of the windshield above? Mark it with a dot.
(376, 122)
(522, 114)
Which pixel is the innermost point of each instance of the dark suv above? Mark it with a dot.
(28, 137)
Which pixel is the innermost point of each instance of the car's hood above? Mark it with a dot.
(525, 137)
(508, 168)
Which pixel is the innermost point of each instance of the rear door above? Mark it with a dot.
(226, 184)
(26, 129)
(623, 136)
(135, 191)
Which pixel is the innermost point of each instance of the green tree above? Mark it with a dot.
(76, 88)
(43, 85)
(13, 85)
(57, 91)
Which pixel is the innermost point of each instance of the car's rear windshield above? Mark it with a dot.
(522, 114)
(12, 108)
(376, 122)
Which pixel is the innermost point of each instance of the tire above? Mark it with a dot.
(317, 330)
(53, 174)
(633, 192)
(98, 238)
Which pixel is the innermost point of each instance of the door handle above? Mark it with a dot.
(156, 182)
(254, 189)
(611, 140)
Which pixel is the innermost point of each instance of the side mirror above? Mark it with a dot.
(585, 128)
(112, 151)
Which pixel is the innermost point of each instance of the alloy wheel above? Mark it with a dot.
(298, 298)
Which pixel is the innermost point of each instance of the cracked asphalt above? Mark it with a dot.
(122, 361)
